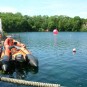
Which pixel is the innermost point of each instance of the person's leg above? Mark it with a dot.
(7, 52)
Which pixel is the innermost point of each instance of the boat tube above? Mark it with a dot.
(19, 55)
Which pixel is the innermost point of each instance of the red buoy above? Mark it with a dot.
(55, 31)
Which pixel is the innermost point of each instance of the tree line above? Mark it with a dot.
(19, 23)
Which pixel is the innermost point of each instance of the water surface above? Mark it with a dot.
(57, 63)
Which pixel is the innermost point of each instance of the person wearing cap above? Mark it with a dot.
(9, 44)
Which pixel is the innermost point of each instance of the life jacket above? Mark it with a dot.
(8, 42)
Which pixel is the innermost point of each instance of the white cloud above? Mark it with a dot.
(26, 11)
(8, 9)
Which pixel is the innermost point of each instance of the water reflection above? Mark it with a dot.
(20, 71)
(74, 53)
(55, 40)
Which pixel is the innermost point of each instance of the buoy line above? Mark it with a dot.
(29, 83)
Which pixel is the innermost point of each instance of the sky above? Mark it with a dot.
(69, 8)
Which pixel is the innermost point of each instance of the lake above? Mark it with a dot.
(57, 63)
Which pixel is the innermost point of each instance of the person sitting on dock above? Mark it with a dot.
(1, 39)
(1, 43)
(9, 44)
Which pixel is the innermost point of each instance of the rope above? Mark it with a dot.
(29, 83)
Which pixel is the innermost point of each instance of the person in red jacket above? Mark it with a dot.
(9, 44)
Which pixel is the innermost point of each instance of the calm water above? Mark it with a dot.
(57, 63)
